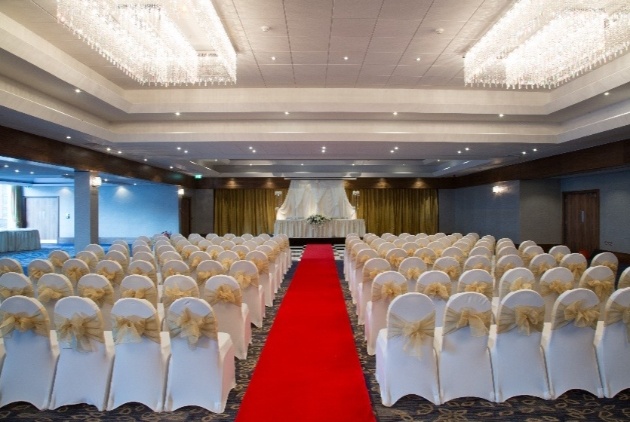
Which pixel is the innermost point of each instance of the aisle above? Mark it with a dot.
(309, 369)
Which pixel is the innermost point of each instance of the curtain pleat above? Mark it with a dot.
(245, 210)
(398, 210)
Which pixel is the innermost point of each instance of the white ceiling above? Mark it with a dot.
(345, 105)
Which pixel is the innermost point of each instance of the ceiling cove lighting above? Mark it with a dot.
(152, 42)
(543, 44)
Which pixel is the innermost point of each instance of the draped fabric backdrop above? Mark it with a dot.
(398, 210)
(308, 197)
(241, 211)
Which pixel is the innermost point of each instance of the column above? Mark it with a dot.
(85, 209)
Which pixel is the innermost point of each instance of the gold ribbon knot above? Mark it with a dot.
(541, 268)
(452, 271)
(100, 295)
(577, 268)
(5, 269)
(413, 333)
(172, 293)
(521, 284)
(617, 313)
(612, 265)
(482, 287)
(195, 261)
(47, 293)
(262, 265)
(525, 318)
(396, 260)
(38, 323)
(225, 294)
(428, 258)
(132, 329)
(389, 290)
(114, 277)
(36, 273)
(7, 292)
(191, 326)
(56, 261)
(147, 293)
(438, 290)
(79, 331)
(602, 288)
(368, 275)
(202, 276)
(479, 322)
(75, 273)
(245, 280)
(577, 313)
(558, 256)
(555, 286)
(227, 263)
(413, 273)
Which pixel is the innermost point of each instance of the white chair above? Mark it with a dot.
(57, 257)
(98, 289)
(479, 281)
(505, 263)
(412, 267)
(201, 370)
(214, 251)
(478, 262)
(188, 250)
(195, 258)
(464, 365)
(260, 260)
(86, 354)
(516, 279)
(524, 245)
(50, 289)
(607, 259)
(371, 269)
(173, 267)
(529, 253)
(436, 285)
(15, 284)
(568, 344)
(456, 253)
(140, 247)
(386, 286)
(143, 256)
(207, 269)
(395, 256)
(406, 361)
(601, 280)
(177, 287)
(612, 344)
(506, 249)
(624, 279)
(541, 263)
(480, 250)
(246, 274)
(74, 269)
(410, 248)
(10, 265)
(450, 266)
(139, 287)
(356, 274)
(120, 246)
(96, 249)
(142, 353)
(118, 256)
(142, 267)
(89, 258)
(31, 352)
(39, 267)
(227, 258)
(559, 252)
(552, 284)
(112, 271)
(224, 294)
(427, 255)
(274, 265)
(518, 362)
(576, 263)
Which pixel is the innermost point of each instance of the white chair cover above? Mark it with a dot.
(385, 288)
(142, 267)
(406, 362)
(172, 267)
(176, 287)
(86, 354)
(552, 284)
(478, 262)
(39, 267)
(15, 284)
(74, 269)
(518, 362)
(395, 257)
(224, 295)
(576, 263)
(464, 366)
(10, 265)
(201, 370)
(31, 352)
(371, 268)
(274, 265)
(559, 251)
(98, 289)
(361, 256)
(57, 258)
(624, 279)
(139, 287)
(607, 259)
(50, 289)
(436, 285)
(516, 279)
(246, 274)
(89, 258)
(601, 280)
(541, 263)
(451, 267)
(261, 262)
(412, 267)
(568, 344)
(96, 249)
(142, 353)
(505, 263)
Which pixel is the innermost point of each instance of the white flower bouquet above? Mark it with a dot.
(317, 219)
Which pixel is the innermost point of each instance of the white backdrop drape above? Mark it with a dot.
(308, 197)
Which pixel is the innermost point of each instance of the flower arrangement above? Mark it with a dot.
(317, 219)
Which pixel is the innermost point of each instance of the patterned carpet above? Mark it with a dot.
(572, 406)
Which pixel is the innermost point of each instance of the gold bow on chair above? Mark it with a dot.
(225, 294)
(147, 293)
(555, 286)
(191, 326)
(185, 254)
(602, 288)
(396, 260)
(47, 293)
(480, 266)
(202, 276)
(413, 273)
(500, 270)
(262, 265)
(241, 254)
(363, 259)
(56, 261)
(5, 269)
(80, 330)
(521, 284)
(171, 271)
(540, 269)
(616, 313)
(413, 333)
(75, 273)
(577, 268)
(114, 277)
(614, 266)
(480, 287)
(389, 290)
(410, 251)
(245, 280)
(38, 323)
(7, 292)
(558, 256)
(36, 273)
(195, 261)
(578, 314)
(369, 274)
(479, 322)
(100, 295)
(227, 263)
(172, 293)
(272, 255)
(428, 259)
(525, 318)
(213, 253)
(132, 329)
(452, 271)
(438, 290)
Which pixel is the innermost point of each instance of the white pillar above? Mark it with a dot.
(85, 210)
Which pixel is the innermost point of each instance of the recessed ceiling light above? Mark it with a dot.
(391, 151)
(345, 57)
(120, 152)
(301, 164)
(179, 148)
(135, 184)
(395, 113)
(109, 149)
(6, 166)
(177, 113)
(105, 180)
(396, 148)
(535, 149)
(185, 151)
(467, 149)
(145, 159)
(77, 90)
(353, 164)
(250, 164)
(524, 152)
(438, 161)
(32, 172)
(418, 59)
(273, 58)
(68, 137)
(501, 115)
(606, 93)
(254, 151)
(287, 113)
(251, 147)
(324, 147)
(171, 167)
(459, 152)
(17, 171)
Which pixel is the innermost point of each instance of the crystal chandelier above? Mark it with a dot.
(545, 43)
(153, 42)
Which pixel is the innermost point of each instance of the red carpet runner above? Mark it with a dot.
(309, 369)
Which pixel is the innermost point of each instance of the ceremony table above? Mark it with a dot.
(19, 240)
(334, 228)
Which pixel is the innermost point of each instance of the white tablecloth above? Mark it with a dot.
(333, 228)
(19, 240)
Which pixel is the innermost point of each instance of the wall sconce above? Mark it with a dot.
(96, 181)
(180, 191)
(498, 189)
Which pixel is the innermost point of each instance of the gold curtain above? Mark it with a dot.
(245, 210)
(398, 210)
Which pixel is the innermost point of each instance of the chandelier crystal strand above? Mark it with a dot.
(543, 43)
(144, 40)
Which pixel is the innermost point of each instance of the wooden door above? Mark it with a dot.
(42, 213)
(581, 220)
(184, 216)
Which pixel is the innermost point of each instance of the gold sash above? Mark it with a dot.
(612, 265)
(75, 273)
(428, 258)
(413, 333)
(172, 293)
(480, 266)
(617, 313)
(147, 293)
(5, 269)
(577, 268)
(213, 253)
(7, 292)
(482, 287)
(245, 280)
(241, 254)
(521, 284)
(479, 322)
(191, 326)
(225, 294)
(413, 273)
(525, 318)
(57, 262)
(388, 291)
(80, 330)
(576, 313)
(38, 323)
(438, 290)
(363, 259)
(500, 270)
(396, 260)
(100, 295)
(411, 251)
(114, 277)
(227, 263)
(555, 286)
(47, 293)
(452, 271)
(185, 254)
(368, 275)
(195, 261)
(36, 273)
(558, 256)
(132, 329)
(602, 288)
(540, 269)
(262, 265)
(202, 276)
